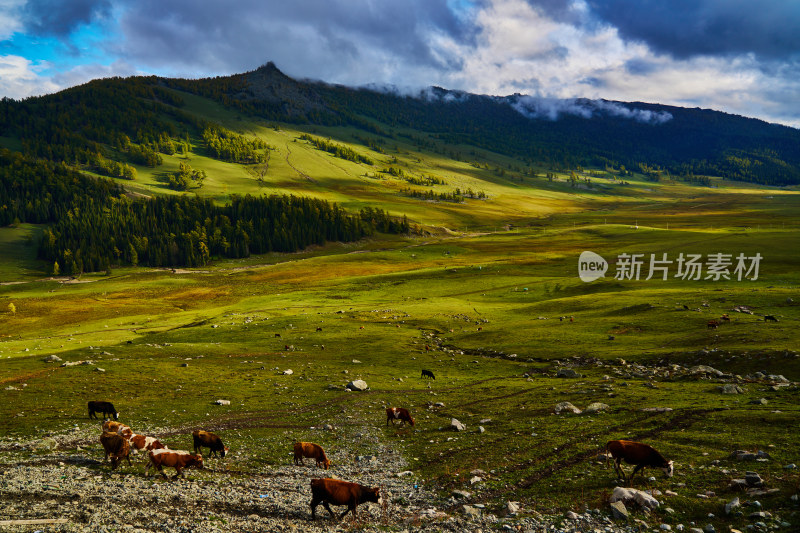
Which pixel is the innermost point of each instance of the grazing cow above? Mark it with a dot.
(427, 373)
(636, 453)
(177, 459)
(142, 443)
(394, 413)
(312, 451)
(319, 328)
(116, 447)
(104, 408)
(337, 492)
(117, 427)
(278, 335)
(209, 440)
(712, 324)
(770, 318)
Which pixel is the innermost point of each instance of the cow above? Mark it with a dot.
(770, 318)
(333, 491)
(636, 453)
(104, 408)
(713, 324)
(319, 328)
(146, 444)
(117, 427)
(394, 413)
(209, 440)
(725, 318)
(427, 373)
(311, 450)
(116, 447)
(177, 459)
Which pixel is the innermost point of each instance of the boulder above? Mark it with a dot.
(705, 369)
(730, 388)
(731, 505)
(470, 511)
(288, 372)
(628, 495)
(358, 384)
(618, 511)
(512, 508)
(223, 402)
(461, 494)
(456, 425)
(567, 407)
(595, 407)
(52, 359)
(567, 373)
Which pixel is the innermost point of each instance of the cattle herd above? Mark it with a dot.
(119, 441)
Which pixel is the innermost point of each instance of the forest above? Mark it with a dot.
(92, 225)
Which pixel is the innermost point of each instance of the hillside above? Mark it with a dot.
(266, 241)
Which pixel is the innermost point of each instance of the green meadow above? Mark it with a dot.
(487, 296)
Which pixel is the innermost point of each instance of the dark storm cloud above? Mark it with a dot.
(323, 36)
(688, 28)
(60, 17)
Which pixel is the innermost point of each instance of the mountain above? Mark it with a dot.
(274, 164)
(561, 134)
(547, 133)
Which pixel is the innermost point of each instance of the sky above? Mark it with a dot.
(737, 56)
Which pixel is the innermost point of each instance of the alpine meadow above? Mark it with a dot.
(279, 261)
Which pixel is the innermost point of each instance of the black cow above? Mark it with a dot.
(104, 408)
(427, 373)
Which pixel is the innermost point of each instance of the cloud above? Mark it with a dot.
(19, 78)
(341, 41)
(722, 54)
(689, 28)
(553, 108)
(61, 17)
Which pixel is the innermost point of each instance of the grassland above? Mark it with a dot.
(487, 297)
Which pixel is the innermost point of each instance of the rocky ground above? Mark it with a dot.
(49, 480)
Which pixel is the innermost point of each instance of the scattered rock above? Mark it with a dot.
(52, 359)
(471, 511)
(512, 508)
(456, 425)
(730, 388)
(358, 385)
(566, 407)
(567, 373)
(595, 407)
(461, 494)
(731, 505)
(223, 402)
(618, 511)
(288, 372)
(628, 495)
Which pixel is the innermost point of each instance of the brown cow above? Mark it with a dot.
(338, 492)
(636, 453)
(713, 324)
(111, 426)
(398, 413)
(116, 447)
(206, 439)
(177, 459)
(311, 450)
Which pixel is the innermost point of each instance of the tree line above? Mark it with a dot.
(93, 225)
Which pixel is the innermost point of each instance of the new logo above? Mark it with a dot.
(591, 266)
